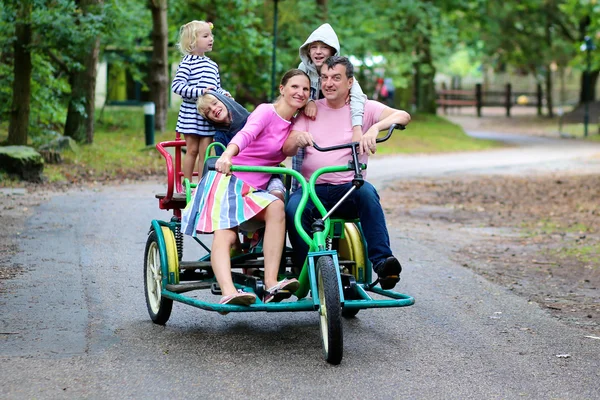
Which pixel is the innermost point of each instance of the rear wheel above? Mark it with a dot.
(351, 247)
(158, 306)
(330, 310)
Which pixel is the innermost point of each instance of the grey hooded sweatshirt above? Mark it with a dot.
(238, 115)
(326, 34)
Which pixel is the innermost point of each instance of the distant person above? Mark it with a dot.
(195, 74)
(332, 127)
(378, 95)
(388, 83)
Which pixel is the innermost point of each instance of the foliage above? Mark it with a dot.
(424, 36)
(57, 46)
(432, 134)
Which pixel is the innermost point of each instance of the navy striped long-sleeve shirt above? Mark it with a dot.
(194, 74)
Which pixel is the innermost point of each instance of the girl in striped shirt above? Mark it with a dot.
(195, 75)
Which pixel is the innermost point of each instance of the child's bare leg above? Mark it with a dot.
(191, 153)
(274, 217)
(203, 144)
(220, 259)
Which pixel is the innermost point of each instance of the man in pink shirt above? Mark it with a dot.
(332, 126)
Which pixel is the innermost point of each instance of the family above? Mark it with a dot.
(318, 98)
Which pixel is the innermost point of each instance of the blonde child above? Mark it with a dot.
(196, 74)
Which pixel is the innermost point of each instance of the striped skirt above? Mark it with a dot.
(223, 202)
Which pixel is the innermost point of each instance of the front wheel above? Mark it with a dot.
(330, 310)
(159, 307)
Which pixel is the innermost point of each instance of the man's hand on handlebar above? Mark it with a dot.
(368, 142)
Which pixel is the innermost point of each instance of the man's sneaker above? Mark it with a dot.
(388, 272)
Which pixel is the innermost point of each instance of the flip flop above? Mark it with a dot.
(282, 290)
(239, 299)
(287, 284)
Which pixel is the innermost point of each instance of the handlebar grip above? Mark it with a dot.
(349, 145)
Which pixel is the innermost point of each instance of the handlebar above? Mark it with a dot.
(353, 144)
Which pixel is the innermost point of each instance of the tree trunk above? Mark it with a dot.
(587, 93)
(549, 102)
(426, 84)
(322, 10)
(159, 76)
(82, 107)
(21, 99)
(549, 97)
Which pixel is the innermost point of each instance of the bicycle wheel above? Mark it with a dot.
(159, 307)
(330, 310)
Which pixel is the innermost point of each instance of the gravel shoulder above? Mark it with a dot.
(538, 236)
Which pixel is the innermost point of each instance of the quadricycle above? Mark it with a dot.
(336, 279)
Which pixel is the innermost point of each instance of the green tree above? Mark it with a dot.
(22, 66)
(82, 76)
(159, 75)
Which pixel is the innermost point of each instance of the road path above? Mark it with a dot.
(74, 324)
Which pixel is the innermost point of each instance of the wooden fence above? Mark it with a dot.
(447, 98)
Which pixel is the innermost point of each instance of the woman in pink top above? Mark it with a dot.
(225, 201)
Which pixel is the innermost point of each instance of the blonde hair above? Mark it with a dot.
(187, 35)
(203, 103)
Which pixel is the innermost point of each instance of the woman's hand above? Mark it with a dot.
(223, 164)
(303, 139)
(310, 110)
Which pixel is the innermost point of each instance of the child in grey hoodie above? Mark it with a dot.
(320, 45)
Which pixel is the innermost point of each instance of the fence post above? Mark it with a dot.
(539, 99)
(508, 99)
(149, 111)
(478, 99)
(443, 98)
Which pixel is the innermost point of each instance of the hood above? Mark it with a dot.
(238, 114)
(325, 34)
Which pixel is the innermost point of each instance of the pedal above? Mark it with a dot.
(253, 282)
(216, 289)
(349, 286)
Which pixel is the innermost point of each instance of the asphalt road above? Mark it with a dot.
(75, 324)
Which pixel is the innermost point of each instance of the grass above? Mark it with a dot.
(432, 134)
(119, 150)
(578, 131)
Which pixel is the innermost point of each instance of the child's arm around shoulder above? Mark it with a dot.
(357, 103)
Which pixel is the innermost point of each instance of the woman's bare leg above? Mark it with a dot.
(274, 239)
(220, 259)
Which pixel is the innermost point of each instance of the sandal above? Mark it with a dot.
(240, 298)
(282, 290)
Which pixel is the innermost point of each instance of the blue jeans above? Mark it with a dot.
(363, 203)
